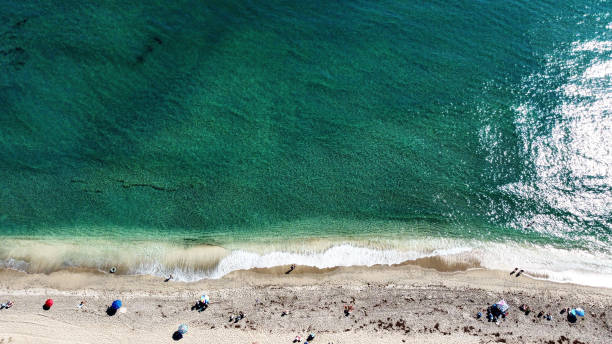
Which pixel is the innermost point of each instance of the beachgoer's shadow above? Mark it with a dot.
(111, 311)
(46, 307)
(177, 335)
(571, 318)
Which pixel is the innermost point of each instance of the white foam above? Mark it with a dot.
(342, 255)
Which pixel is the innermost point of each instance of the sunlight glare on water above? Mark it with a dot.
(572, 159)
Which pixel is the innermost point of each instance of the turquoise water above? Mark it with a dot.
(235, 122)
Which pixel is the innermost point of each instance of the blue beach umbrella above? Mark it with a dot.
(579, 312)
(205, 299)
(182, 329)
(116, 304)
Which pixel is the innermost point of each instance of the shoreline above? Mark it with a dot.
(191, 263)
(392, 304)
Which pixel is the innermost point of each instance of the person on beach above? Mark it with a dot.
(291, 268)
(169, 278)
(80, 306)
(199, 306)
(524, 308)
(239, 317)
(202, 304)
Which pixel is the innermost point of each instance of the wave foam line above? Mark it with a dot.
(341, 255)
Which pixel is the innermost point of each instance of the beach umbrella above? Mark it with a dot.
(502, 306)
(204, 298)
(116, 304)
(579, 312)
(182, 329)
(49, 303)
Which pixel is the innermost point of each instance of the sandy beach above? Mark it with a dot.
(398, 304)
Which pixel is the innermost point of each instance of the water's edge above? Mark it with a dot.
(196, 262)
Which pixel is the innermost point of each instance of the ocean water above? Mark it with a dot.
(202, 137)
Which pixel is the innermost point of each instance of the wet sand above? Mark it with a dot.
(405, 303)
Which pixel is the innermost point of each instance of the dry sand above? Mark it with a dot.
(399, 304)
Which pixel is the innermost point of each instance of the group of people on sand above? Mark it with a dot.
(238, 317)
(6, 305)
(517, 273)
(496, 311)
(573, 314)
(499, 311)
(310, 338)
(526, 309)
(200, 306)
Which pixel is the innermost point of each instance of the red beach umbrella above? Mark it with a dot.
(49, 303)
